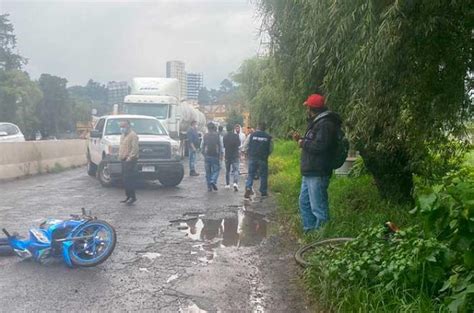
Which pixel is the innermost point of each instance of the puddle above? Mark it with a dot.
(244, 229)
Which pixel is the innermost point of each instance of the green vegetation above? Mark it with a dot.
(426, 267)
(57, 168)
(396, 71)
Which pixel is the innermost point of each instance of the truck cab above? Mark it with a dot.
(164, 108)
(159, 156)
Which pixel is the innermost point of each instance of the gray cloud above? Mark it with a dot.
(117, 40)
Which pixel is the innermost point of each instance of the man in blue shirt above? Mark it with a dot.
(260, 147)
(193, 143)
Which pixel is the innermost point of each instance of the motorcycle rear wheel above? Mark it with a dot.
(5, 249)
(93, 251)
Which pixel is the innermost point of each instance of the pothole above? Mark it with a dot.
(243, 229)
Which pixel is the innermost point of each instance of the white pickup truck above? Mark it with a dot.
(159, 156)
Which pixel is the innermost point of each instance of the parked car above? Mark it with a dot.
(10, 133)
(159, 156)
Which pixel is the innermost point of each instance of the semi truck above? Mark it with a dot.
(159, 97)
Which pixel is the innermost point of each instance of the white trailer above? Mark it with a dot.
(159, 97)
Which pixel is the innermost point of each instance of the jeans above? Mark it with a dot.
(234, 164)
(262, 167)
(192, 160)
(213, 167)
(314, 207)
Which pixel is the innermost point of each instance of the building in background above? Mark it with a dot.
(116, 91)
(194, 84)
(176, 69)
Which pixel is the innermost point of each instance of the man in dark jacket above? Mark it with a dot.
(318, 148)
(231, 143)
(211, 148)
(260, 147)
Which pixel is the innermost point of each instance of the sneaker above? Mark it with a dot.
(209, 189)
(264, 194)
(193, 173)
(227, 187)
(248, 193)
(214, 186)
(236, 187)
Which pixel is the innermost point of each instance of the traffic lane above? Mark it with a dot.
(128, 280)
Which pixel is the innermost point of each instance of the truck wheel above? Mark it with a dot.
(104, 174)
(91, 167)
(171, 179)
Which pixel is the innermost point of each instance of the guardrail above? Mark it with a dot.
(19, 159)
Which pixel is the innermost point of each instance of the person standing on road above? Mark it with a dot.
(317, 145)
(211, 149)
(221, 133)
(240, 133)
(193, 144)
(128, 154)
(260, 147)
(232, 158)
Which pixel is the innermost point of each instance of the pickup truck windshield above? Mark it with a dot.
(156, 110)
(140, 126)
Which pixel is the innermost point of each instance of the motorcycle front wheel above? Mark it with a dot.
(96, 247)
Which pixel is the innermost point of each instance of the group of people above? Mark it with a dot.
(317, 145)
(230, 146)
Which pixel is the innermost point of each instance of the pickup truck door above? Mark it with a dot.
(95, 143)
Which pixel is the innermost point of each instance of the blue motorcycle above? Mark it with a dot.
(82, 240)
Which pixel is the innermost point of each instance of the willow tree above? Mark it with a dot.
(397, 72)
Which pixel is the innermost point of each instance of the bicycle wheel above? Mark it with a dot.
(97, 248)
(331, 242)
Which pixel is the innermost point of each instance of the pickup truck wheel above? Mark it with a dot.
(104, 174)
(171, 179)
(91, 167)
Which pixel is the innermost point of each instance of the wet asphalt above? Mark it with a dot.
(180, 249)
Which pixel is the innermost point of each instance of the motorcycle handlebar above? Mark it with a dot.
(6, 232)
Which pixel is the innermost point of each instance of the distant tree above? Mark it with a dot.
(93, 93)
(19, 98)
(235, 117)
(204, 97)
(9, 60)
(226, 86)
(55, 110)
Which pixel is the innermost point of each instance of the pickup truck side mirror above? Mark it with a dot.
(96, 134)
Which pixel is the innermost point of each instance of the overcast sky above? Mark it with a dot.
(117, 40)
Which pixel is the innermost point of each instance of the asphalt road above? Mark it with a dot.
(179, 249)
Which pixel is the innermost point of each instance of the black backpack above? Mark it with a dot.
(341, 149)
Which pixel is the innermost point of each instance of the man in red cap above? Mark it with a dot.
(318, 149)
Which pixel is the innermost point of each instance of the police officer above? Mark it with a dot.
(260, 147)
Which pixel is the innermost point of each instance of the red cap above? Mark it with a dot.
(315, 101)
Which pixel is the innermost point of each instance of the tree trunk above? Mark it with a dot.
(391, 173)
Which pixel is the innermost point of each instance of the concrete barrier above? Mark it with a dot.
(18, 159)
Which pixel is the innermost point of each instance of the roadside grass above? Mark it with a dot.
(354, 201)
(57, 168)
(354, 205)
(470, 157)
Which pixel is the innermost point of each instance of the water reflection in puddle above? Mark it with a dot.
(245, 228)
